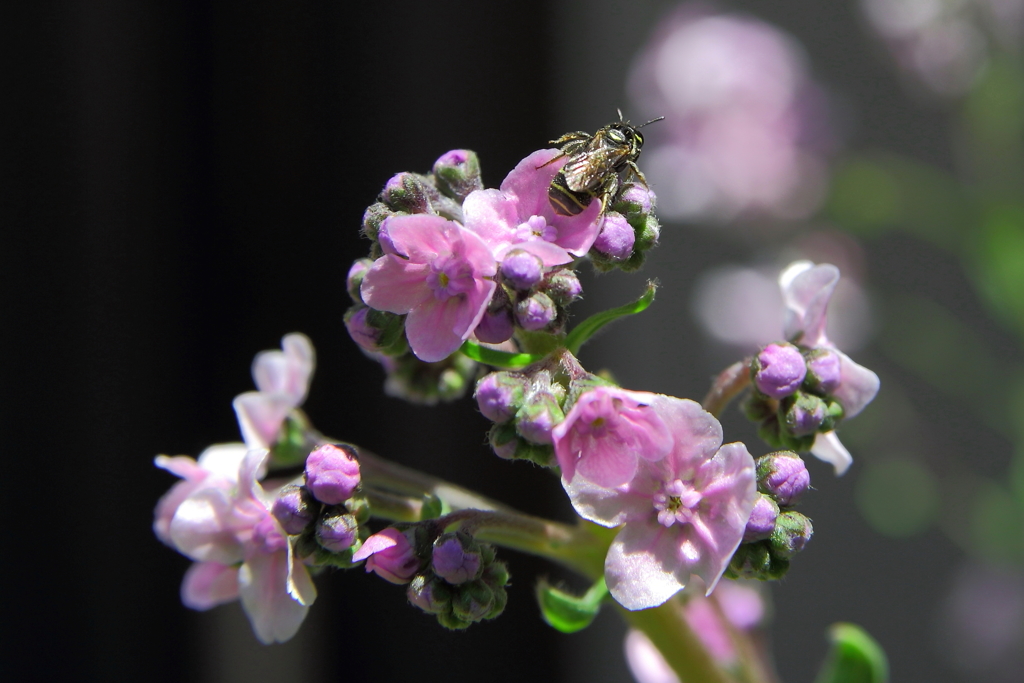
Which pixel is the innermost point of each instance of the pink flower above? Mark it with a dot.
(519, 214)
(806, 291)
(282, 380)
(683, 515)
(438, 273)
(607, 431)
(224, 524)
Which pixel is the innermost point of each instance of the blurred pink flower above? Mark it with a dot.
(981, 621)
(742, 605)
(282, 380)
(682, 515)
(944, 45)
(745, 127)
(740, 304)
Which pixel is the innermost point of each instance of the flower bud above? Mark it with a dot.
(778, 370)
(563, 286)
(390, 554)
(634, 198)
(792, 532)
(504, 440)
(373, 217)
(415, 381)
(294, 509)
(456, 558)
(805, 413)
(648, 232)
(430, 594)
(499, 395)
(458, 173)
(337, 532)
(783, 476)
(355, 278)
(617, 237)
(362, 333)
(536, 312)
(756, 561)
(762, 519)
(522, 270)
(823, 371)
(538, 416)
(473, 601)
(407, 192)
(332, 473)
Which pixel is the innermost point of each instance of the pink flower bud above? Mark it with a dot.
(391, 555)
(778, 369)
(616, 238)
(332, 473)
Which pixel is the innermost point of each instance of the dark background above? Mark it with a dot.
(183, 184)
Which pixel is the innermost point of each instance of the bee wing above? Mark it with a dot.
(584, 171)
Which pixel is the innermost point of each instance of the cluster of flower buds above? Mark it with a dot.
(328, 512)
(448, 574)
(775, 531)
(451, 261)
(793, 394)
(525, 407)
(463, 584)
(629, 231)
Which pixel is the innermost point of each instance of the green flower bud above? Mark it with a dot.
(373, 217)
(472, 601)
(458, 173)
(408, 192)
(792, 532)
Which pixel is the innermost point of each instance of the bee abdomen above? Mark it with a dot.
(564, 201)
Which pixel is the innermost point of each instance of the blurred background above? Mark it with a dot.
(184, 184)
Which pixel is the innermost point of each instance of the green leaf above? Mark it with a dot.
(567, 612)
(855, 657)
(589, 327)
(498, 359)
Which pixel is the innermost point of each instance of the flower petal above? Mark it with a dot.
(608, 507)
(286, 371)
(829, 448)
(858, 386)
(395, 285)
(806, 290)
(208, 584)
(528, 182)
(493, 216)
(263, 587)
(201, 527)
(642, 568)
(260, 416)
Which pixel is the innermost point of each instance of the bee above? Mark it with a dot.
(594, 164)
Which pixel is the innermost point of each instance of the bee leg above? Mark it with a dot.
(638, 174)
(552, 160)
(609, 189)
(578, 136)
